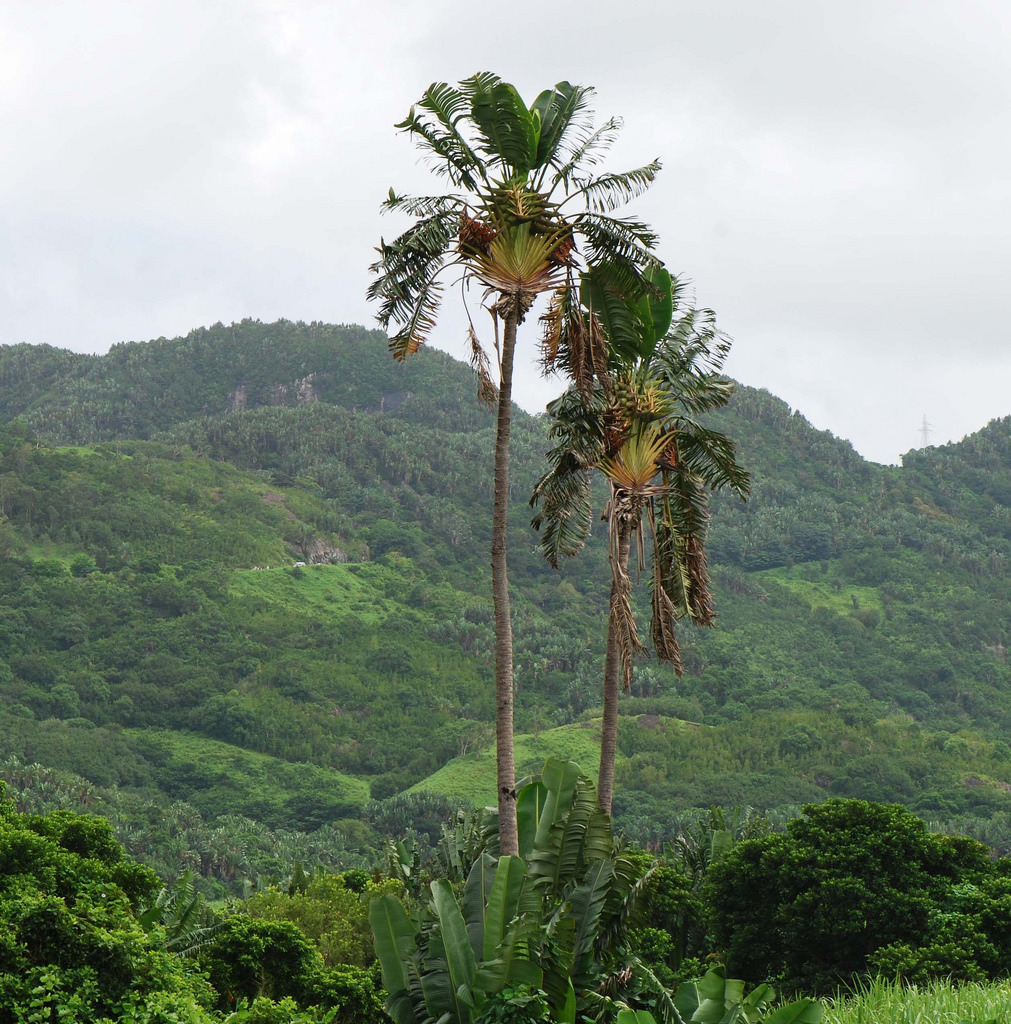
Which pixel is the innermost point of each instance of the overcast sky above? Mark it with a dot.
(836, 175)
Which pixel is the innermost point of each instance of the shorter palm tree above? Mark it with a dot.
(638, 427)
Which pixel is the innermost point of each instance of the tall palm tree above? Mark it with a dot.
(527, 216)
(639, 428)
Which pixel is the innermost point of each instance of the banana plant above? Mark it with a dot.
(717, 999)
(548, 921)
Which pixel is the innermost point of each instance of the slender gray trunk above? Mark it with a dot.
(505, 760)
(612, 682)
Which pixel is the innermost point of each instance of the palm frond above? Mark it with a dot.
(450, 154)
(625, 907)
(578, 424)
(487, 389)
(565, 512)
(618, 240)
(710, 456)
(610, 292)
(423, 206)
(700, 593)
(611, 191)
(574, 341)
(554, 321)
(664, 1004)
(407, 265)
(563, 492)
(664, 614)
(584, 150)
(505, 127)
(419, 324)
(680, 567)
(557, 110)
(479, 82)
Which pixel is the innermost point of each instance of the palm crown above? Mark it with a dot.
(529, 216)
(640, 430)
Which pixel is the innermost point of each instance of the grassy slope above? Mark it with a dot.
(470, 779)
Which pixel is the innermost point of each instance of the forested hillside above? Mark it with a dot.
(860, 648)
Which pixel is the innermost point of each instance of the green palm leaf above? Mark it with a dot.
(556, 110)
(608, 192)
(460, 963)
(586, 905)
(584, 150)
(507, 129)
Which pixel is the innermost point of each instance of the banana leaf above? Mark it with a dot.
(395, 938)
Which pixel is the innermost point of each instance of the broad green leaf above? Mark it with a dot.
(604, 293)
(559, 778)
(721, 844)
(395, 944)
(635, 1017)
(585, 906)
(507, 126)
(759, 998)
(567, 1012)
(656, 311)
(713, 984)
(555, 109)
(475, 898)
(804, 1011)
(502, 903)
(687, 999)
(460, 963)
(529, 807)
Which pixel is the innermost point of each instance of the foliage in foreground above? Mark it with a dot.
(940, 1002)
(85, 936)
(852, 887)
(546, 935)
(71, 946)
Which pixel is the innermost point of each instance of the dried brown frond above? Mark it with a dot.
(551, 336)
(598, 355)
(699, 584)
(487, 389)
(662, 629)
(576, 339)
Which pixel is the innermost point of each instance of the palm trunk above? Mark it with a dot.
(505, 761)
(612, 681)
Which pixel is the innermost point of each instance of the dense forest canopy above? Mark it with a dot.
(862, 617)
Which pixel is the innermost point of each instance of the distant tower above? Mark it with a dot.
(925, 428)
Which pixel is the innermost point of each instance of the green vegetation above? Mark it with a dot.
(851, 887)
(891, 1002)
(470, 779)
(72, 947)
(860, 648)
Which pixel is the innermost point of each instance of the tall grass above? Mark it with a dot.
(890, 1002)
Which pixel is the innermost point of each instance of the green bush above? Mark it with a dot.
(249, 958)
(70, 945)
(847, 879)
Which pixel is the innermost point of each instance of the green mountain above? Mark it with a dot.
(146, 646)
